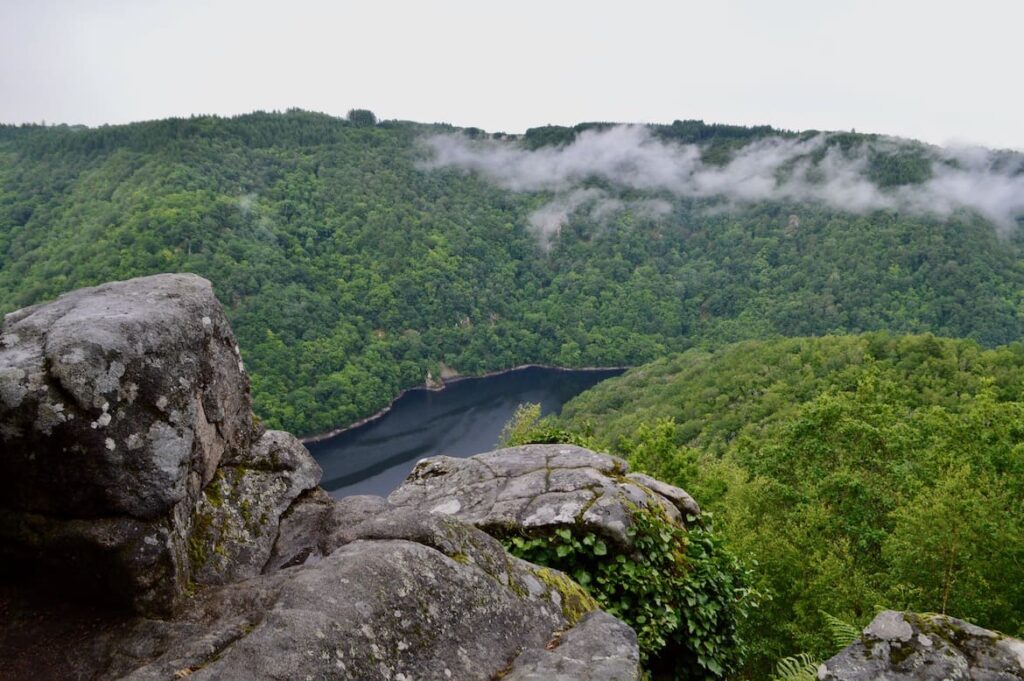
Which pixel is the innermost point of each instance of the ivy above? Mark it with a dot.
(682, 592)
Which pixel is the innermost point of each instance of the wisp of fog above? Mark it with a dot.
(773, 168)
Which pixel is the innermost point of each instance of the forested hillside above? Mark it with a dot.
(350, 266)
(858, 471)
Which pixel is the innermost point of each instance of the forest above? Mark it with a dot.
(839, 388)
(855, 472)
(350, 269)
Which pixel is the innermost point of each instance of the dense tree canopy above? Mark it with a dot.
(858, 472)
(349, 269)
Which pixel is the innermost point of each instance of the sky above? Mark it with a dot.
(942, 71)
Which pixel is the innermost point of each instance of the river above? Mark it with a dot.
(465, 418)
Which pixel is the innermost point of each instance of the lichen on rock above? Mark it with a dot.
(236, 520)
(534, 488)
(571, 657)
(118, 406)
(899, 646)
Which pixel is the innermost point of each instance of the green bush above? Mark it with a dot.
(682, 592)
(526, 427)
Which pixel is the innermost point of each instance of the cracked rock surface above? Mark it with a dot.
(899, 646)
(402, 596)
(236, 521)
(540, 488)
(405, 596)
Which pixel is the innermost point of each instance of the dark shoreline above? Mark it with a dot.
(373, 417)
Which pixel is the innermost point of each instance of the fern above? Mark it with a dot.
(803, 667)
(800, 667)
(843, 633)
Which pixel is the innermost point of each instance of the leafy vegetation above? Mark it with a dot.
(857, 471)
(843, 633)
(800, 667)
(803, 667)
(526, 427)
(683, 593)
(349, 270)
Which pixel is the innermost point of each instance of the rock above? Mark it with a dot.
(537, 488)
(235, 524)
(117, 406)
(898, 646)
(302, 532)
(408, 596)
(599, 648)
(316, 525)
(119, 399)
(679, 498)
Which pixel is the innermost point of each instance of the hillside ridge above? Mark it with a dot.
(350, 267)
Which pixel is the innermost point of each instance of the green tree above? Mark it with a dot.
(362, 117)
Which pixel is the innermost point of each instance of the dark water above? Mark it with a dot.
(465, 418)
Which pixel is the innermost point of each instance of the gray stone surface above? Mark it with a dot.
(599, 648)
(681, 499)
(303, 530)
(118, 405)
(236, 521)
(903, 646)
(405, 596)
(119, 399)
(537, 488)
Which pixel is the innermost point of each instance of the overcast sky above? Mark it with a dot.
(943, 71)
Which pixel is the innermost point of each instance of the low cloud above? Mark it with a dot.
(246, 202)
(547, 221)
(631, 157)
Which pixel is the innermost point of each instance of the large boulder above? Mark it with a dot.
(118, 406)
(540, 489)
(119, 399)
(900, 646)
(404, 596)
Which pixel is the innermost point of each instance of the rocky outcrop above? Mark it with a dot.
(131, 466)
(905, 646)
(117, 406)
(406, 596)
(539, 489)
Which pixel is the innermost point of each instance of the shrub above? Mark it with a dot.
(526, 427)
(682, 592)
